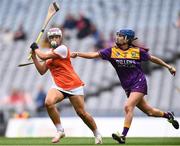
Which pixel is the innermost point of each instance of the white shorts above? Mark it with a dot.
(75, 91)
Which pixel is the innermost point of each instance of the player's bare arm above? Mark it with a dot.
(41, 67)
(159, 61)
(89, 55)
(46, 55)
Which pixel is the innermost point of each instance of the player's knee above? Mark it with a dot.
(48, 104)
(128, 109)
(81, 113)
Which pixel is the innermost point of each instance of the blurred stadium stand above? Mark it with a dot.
(153, 22)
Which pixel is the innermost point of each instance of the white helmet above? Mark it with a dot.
(54, 31)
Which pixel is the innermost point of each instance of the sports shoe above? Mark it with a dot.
(120, 138)
(172, 120)
(98, 139)
(58, 136)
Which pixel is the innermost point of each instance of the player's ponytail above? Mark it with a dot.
(138, 46)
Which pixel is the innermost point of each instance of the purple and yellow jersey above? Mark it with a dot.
(127, 64)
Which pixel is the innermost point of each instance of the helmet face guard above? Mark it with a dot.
(54, 32)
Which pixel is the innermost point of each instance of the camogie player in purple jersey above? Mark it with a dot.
(126, 60)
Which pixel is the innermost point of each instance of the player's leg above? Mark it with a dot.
(129, 106)
(54, 96)
(150, 111)
(78, 103)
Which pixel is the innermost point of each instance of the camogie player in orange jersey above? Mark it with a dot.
(66, 83)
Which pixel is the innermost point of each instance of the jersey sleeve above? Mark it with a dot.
(105, 53)
(144, 55)
(61, 51)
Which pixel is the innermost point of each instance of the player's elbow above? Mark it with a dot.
(42, 72)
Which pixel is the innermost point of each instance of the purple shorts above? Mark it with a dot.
(140, 86)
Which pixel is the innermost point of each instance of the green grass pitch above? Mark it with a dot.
(72, 141)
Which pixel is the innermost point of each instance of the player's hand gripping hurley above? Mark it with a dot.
(53, 8)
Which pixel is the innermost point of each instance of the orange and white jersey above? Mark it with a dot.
(62, 71)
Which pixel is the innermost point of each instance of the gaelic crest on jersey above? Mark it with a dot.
(133, 54)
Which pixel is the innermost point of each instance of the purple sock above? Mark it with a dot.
(166, 115)
(125, 131)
